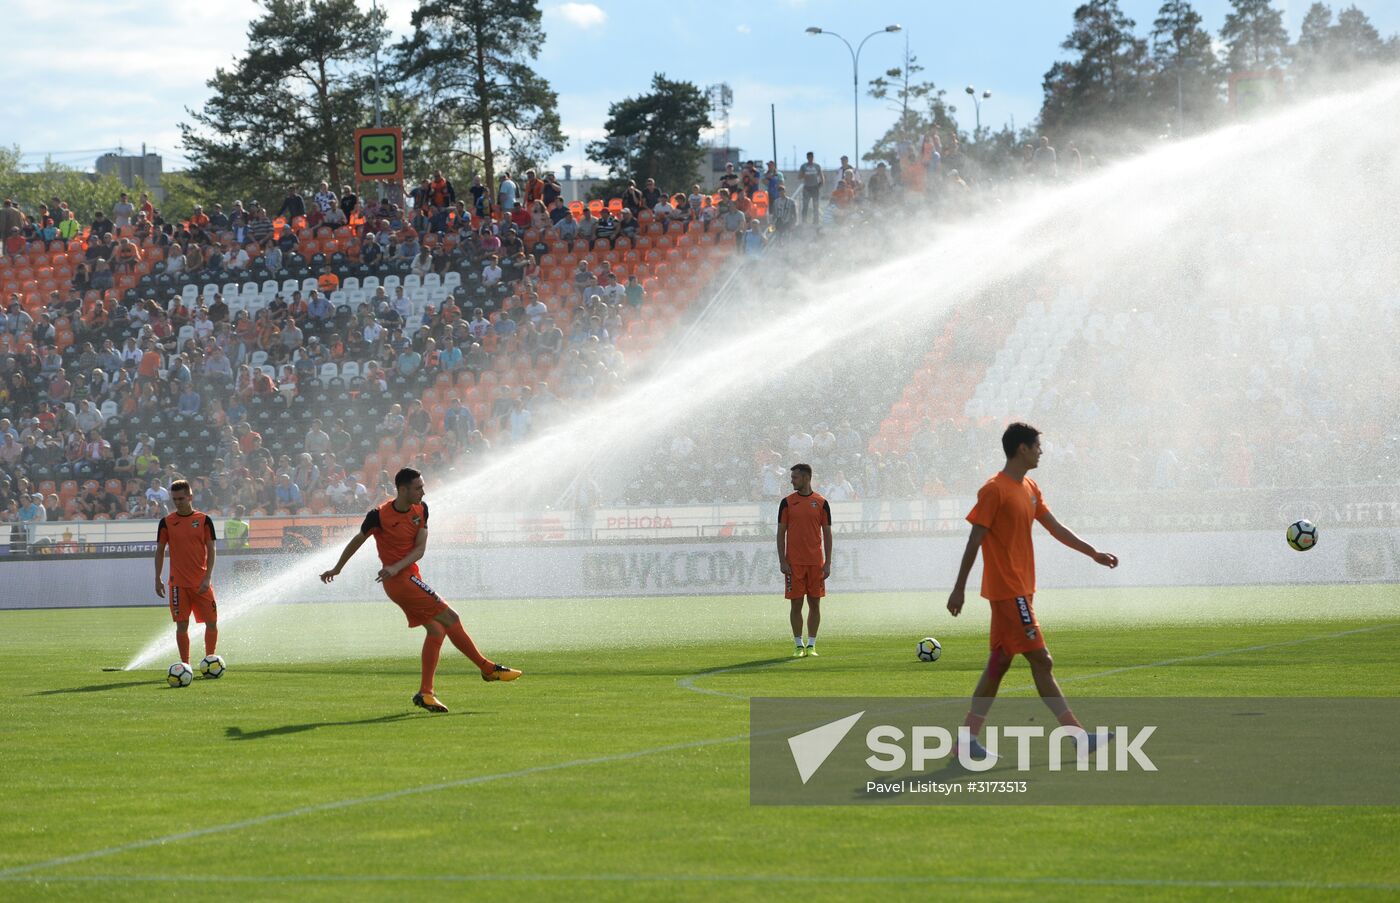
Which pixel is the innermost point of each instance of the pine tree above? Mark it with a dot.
(1106, 85)
(468, 64)
(655, 135)
(286, 112)
(1254, 35)
(1188, 79)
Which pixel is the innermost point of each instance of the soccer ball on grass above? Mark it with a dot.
(179, 675)
(1302, 535)
(212, 666)
(929, 649)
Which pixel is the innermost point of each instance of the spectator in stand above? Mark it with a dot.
(492, 272)
(633, 200)
(812, 181)
(259, 229)
(729, 180)
(287, 493)
(408, 364)
(754, 240)
(881, 187)
(534, 188)
(772, 180)
(307, 475)
(69, 229)
(34, 512)
(651, 196)
(393, 422)
(418, 422)
(122, 211)
(293, 206)
(508, 194)
(1044, 164)
(159, 495)
(783, 213)
(190, 401)
(587, 229)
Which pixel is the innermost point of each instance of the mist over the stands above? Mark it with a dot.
(1220, 303)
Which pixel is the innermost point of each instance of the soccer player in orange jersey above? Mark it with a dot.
(1001, 527)
(804, 555)
(400, 530)
(190, 536)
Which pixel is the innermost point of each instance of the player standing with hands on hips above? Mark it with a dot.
(804, 555)
(1001, 527)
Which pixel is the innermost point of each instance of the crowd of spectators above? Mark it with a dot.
(105, 342)
(117, 332)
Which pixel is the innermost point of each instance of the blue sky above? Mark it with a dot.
(88, 75)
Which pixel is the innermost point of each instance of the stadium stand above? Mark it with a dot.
(292, 360)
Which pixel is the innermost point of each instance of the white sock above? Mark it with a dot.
(811, 641)
(797, 641)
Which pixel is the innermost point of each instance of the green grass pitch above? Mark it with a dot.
(621, 772)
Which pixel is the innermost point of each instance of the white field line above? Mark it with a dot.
(923, 880)
(333, 805)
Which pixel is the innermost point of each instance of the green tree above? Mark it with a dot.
(1325, 48)
(182, 193)
(1254, 36)
(1108, 82)
(655, 135)
(1189, 76)
(1356, 40)
(469, 64)
(83, 192)
(286, 112)
(920, 106)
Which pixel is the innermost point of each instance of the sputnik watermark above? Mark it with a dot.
(930, 744)
(1137, 750)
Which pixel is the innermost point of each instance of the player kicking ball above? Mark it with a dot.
(1001, 527)
(400, 531)
(804, 555)
(189, 534)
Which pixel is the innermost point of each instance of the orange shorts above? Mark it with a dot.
(187, 600)
(417, 599)
(805, 580)
(1014, 627)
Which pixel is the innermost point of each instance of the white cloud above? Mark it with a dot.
(742, 29)
(582, 15)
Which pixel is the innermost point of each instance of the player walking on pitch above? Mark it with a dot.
(804, 555)
(400, 530)
(1001, 528)
(190, 536)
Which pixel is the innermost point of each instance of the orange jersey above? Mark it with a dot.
(805, 515)
(1006, 508)
(395, 531)
(185, 536)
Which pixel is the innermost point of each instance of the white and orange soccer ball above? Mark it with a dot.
(1302, 535)
(179, 675)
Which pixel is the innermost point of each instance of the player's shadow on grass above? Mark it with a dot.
(102, 688)
(720, 670)
(237, 733)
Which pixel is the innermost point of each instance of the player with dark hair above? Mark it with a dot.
(400, 530)
(804, 555)
(190, 537)
(1001, 528)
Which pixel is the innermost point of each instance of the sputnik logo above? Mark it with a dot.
(811, 748)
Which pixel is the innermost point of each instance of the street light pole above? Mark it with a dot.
(855, 74)
(977, 104)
